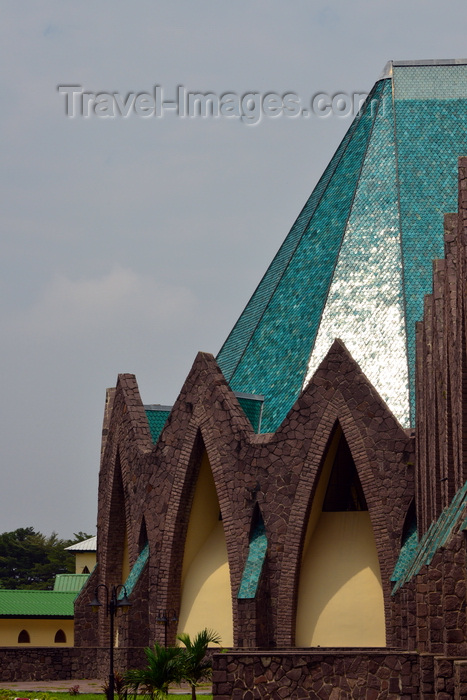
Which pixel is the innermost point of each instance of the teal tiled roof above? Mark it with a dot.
(254, 563)
(252, 406)
(136, 571)
(450, 521)
(157, 417)
(253, 409)
(358, 260)
(406, 554)
(30, 603)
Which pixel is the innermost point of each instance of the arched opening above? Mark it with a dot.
(254, 598)
(60, 637)
(340, 597)
(143, 536)
(409, 543)
(205, 584)
(118, 566)
(23, 637)
(256, 557)
(410, 523)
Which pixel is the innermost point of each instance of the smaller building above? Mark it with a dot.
(85, 555)
(36, 618)
(45, 618)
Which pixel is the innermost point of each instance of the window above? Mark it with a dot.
(23, 637)
(60, 637)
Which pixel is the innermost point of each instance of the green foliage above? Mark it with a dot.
(173, 665)
(196, 666)
(30, 560)
(120, 686)
(58, 695)
(165, 666)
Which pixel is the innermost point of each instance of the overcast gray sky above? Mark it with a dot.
(128, 244)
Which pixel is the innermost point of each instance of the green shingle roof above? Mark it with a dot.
(20, 603)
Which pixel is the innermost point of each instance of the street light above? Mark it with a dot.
(164, 617)
(112, 606)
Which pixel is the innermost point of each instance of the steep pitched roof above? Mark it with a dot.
(357, 262)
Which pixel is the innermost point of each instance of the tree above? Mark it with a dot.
(165, 666)
(29, 559)
(196, 665)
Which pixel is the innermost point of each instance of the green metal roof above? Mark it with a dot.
(20, 603)
(357, 262)
(70, 583)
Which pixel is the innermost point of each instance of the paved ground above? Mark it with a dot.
(26, 689)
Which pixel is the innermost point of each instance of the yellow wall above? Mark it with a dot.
(41, 632)
(206, 598)
(340, 596)
(85, 559)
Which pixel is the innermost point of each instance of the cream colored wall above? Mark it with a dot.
(340, 595)
(41, 632)
(84, 559)
(340, 598)
(206, 598)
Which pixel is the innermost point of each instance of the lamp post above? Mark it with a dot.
(164, 617)
(112, 605)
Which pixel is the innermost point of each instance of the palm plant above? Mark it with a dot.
(195, 664)
(165, 666)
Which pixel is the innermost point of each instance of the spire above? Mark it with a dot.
(357, 261)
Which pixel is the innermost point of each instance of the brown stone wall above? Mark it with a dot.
(141, 482)
(431, 608)
(327, 675)
(35, 663)
(441, 373)
(64, 663)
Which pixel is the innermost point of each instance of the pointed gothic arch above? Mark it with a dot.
(60, 637)
(340, 597)
(254, 595)
(205, 595)
(196, 546)
(143, 535)
(336, 415)
(117, 562)
(23, 637)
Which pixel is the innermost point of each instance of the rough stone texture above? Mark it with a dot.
(146, 487)
(328, 675)
(65, 663)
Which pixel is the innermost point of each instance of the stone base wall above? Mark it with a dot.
(330, 675)
(36, 663)
(338, 674)
(66, 663)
